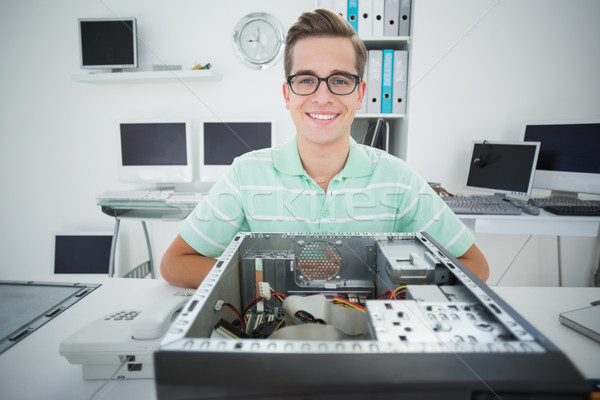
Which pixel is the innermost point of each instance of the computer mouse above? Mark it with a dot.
(530, 209)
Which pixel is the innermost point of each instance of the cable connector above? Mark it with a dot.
(264, 290)
(219, 305)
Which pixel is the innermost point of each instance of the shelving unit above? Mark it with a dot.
(148, 76)
(374, 116)
(397, 122)
(391, 42)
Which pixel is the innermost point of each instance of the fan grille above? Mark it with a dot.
(319, 261)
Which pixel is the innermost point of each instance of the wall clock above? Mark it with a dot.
(259, 40)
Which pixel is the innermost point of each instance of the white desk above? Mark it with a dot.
(541, 307)
(543, 224)
(33, 368)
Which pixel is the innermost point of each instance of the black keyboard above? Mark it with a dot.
(589, 211)
(562, 201)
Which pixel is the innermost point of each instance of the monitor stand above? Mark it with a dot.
(163, 187)
(563, 194)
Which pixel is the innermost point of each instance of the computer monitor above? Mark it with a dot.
(569, 161)
(222, 141)
(155, 151)
(505, 168)
(108, 43)
(81, 253)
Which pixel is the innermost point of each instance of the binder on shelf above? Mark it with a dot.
(399, 86)
(340, 7)
(378, 18)
(387, 81)
(353, 14)
(391, 12)
(365, 18)
(374, 61)
(404, 18)
(326, 4)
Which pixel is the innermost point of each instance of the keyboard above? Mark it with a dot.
(185, 198)
(562, 201)
(135, 195)
(481, 205)
(589, 211)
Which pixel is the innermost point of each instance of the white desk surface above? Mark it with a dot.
(524, 224)
(33, 368)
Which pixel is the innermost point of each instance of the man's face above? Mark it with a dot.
(323, 117)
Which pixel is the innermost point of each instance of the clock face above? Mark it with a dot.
(258, 40)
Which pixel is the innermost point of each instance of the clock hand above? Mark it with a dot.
(257, 36)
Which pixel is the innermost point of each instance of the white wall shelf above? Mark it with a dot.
(390, 42)
(148, 76)
(385, 116)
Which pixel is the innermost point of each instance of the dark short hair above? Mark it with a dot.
(323, 23)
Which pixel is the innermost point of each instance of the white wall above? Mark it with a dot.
(57, 146)
(479, 68)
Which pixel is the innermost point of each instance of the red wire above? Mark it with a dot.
(253, 302)
(232, 308)
(348, 302)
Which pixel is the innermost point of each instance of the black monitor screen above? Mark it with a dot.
(567, 147)
(502, 167)
(153, 143)
(82, 254)
(223, 141)
(108, 42)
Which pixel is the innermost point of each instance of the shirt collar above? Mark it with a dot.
(287, 160)
(359, 163)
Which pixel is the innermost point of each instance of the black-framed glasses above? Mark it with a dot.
(339, 83)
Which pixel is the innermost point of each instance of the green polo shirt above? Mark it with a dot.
(268, 190)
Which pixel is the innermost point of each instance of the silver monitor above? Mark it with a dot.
(568, 163)
(504, 168)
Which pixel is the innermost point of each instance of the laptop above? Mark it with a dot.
(584, 320)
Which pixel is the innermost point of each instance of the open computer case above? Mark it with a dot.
(354, 316)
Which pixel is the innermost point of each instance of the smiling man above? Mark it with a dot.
(322, 180)
(323, 108)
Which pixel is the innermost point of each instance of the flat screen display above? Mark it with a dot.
(503, 167)
(108, 42)
(28, 305)
(568, 147)
(153, 143)
(155, 151)
(82, 253)
(568, 163)
(224, 141)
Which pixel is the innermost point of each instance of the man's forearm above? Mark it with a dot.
(186, 270)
